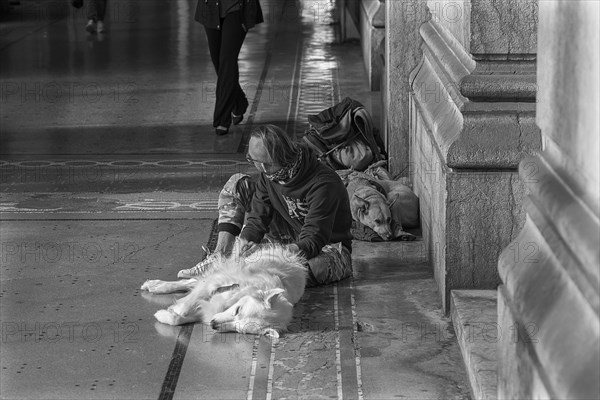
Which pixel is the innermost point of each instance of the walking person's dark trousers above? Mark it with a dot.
(96, 9)
(224, 45)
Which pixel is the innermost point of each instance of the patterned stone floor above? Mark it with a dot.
(110, 172)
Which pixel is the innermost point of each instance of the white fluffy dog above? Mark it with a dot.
(254, 294)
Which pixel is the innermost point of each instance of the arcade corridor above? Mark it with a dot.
(110, 171)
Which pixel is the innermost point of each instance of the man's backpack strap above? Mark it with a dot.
(364, 125)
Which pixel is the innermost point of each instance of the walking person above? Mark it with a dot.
(226, 23)
(96, 9)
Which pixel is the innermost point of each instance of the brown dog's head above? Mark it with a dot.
(374, 212)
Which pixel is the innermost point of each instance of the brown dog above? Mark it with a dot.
(386, 206)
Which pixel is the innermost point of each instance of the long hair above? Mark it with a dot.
(282, 148)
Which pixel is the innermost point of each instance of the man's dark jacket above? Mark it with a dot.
(315, 203)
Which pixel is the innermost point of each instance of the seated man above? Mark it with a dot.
(296, 200)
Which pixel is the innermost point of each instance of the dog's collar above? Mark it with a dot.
(376, 189)
(375, 193)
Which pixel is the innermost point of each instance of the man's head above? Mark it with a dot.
(270, 149)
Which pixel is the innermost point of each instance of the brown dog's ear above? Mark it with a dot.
(363, 205)
(391, 202)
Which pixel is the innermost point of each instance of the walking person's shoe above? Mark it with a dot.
(236, 119)
(200, 268)
(91, 26)
(221, 130)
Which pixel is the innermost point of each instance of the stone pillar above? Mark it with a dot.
(402, 54)
(472, 121)
(548, 305)
(349, 17)
(372, 36)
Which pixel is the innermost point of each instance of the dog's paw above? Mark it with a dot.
(402, 235)
(151, 285)
(167, 317)
(166, 330)
(406, 237)
(161, 301)
(270, 332)
(170, 317)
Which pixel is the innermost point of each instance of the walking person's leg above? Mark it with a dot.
(96, 10)
(101, 10)
(240, 106)
(92, 15)
(230, 97)
(213, 37)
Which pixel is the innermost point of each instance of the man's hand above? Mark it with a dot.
(246, 247)
(293, 247)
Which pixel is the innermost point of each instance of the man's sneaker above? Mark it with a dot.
(199, 269)
(91, 26)
(100, 27)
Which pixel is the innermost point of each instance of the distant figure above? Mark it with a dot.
(96, 9)
(226, 23)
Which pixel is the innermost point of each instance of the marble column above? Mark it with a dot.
(548, 305)
(372, 36)
(472, 120)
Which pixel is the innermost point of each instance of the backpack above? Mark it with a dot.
(342, 136)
